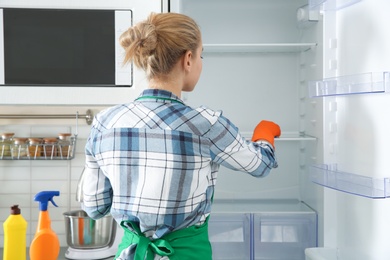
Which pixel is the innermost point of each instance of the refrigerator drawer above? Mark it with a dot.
(284, 236)
(230, 235)
(267, 235)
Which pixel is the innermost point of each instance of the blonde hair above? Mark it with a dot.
(156, 44)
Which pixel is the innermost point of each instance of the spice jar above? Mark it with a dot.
(64, 145)
(35, 147)
(5, 144)
(50, 147)
(19, 148)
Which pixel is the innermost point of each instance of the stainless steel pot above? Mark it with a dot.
(82, 232)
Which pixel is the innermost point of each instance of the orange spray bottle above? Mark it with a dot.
(45, 245)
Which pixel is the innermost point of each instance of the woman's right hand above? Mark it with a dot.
(267, 131)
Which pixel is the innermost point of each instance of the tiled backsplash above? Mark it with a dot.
(20, 180)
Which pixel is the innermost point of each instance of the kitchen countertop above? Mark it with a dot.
(63, 250)
(60, 257)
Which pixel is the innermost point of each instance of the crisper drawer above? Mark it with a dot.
(284, 236)
(230, 236)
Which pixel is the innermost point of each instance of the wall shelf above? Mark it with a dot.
(329, 176)
(372, 82)
(39, 151)
(261, 47)
(59, 148)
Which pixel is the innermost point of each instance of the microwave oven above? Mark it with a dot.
(68, 53)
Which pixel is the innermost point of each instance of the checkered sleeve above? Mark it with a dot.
(233, 151)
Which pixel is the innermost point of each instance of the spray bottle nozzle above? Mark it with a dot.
(44, 197)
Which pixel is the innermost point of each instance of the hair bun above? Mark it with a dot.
(147, 40)
(157, 43)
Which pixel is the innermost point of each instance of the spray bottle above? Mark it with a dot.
(45, 245)
(15, 227)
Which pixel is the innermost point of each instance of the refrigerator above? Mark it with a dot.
(320, 69)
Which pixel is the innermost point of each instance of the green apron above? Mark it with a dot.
(189, 243)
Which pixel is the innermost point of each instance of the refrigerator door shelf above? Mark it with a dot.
(331, 4)
(372, 82)
(328, 176)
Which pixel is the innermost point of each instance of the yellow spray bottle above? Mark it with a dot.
(45, 245)
(15, 228)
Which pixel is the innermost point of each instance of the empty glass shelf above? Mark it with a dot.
(286, 136)
(372, 82)
(261, 47)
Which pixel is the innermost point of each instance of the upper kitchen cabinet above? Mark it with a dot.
(67, 52)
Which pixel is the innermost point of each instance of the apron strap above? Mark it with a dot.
(180, 244)
(145, 246)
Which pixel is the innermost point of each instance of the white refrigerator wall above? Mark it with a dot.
(311, 120)
(359, 226)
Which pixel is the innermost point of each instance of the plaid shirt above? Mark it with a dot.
(155, 161)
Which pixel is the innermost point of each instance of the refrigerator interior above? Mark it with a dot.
(253, 69)
(257, 60)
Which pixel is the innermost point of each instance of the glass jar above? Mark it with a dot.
(64, 145)
(50, 147)
(35, 147)
(19, 148)
(5, 144)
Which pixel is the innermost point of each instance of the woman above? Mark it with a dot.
(153, 163)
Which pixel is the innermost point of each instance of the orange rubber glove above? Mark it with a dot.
(266, 130)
